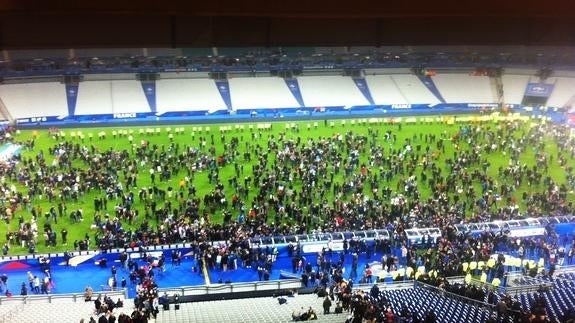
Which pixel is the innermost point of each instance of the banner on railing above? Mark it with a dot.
(224, 89)
(149, 88)
(71, 97)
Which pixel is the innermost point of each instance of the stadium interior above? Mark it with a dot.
(401, 164)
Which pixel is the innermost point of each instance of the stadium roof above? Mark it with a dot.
(184, 23)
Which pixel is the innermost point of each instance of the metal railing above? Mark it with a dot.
(475, 282)
(60, 298)
(528, 285)
(565, 269)
(457, 297)
(233, 288)
(534, 284)
(284, 284)
(20, 302)
(405, 284)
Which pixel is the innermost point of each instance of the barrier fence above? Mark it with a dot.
(486, 306)
(407, 284)
(59, 298)
(17, 303)
(286, 284)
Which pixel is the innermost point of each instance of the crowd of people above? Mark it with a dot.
(373, 306)
(296, 184)
(146, 302)
(345, 185)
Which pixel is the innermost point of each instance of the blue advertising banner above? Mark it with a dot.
(376, 111)
(539, 89)
(293, 86)
(149, 88)
(224, 88)
(71, 97)
(362, 86)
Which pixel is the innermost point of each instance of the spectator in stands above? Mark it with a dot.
(326, 305)
(389, 316)
(569, 316)
(296, 315)
(98, 304)
(311, 315)
(430, 317)
(88, 292)
(502, 309)
(368, 275)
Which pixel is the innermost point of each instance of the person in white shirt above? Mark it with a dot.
(36, 285)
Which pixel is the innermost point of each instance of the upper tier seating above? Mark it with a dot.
(399, 89)
(103, 97)
(325, 91)
(261, 92)
(465, 88)
(35, 99)
(188, 95)
(60, 310)
(514, 88)
(265, 309)
(563, 91)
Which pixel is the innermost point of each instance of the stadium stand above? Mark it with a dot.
(48, 99)
(417, 300)
(7, 311)
(97, 97)
(260, 92)
(562, 91)
(248, 310)
(422, 300)
(465, 88)
(514, 88)
(101, 97)
(48, 308)
(188, 95)
(318, 91)
(384, 90)
(30, 313)
(103, 52)
(415, 92)
(399, 89)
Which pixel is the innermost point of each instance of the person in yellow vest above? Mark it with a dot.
(483, 278)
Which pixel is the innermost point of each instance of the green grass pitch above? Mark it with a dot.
(252, 136)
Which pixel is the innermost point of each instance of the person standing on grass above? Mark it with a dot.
(54, 215)
(64, 234)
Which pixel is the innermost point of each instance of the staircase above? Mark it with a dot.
(497, 87)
